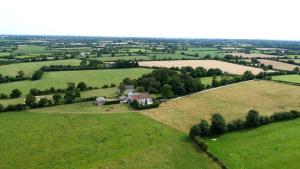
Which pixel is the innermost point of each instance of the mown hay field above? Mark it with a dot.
(278, 65)
(273, 146)
(127, 140)
(231, 101)
(225, 66)
(252, 55)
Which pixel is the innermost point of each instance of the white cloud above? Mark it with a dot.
(258, 19)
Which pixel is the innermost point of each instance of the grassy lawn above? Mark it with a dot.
(287, 78)
(176, 56)
(30, 67)
(273, 146)
(128, 140)
(95, 78)
(232, 102)
(109, 92)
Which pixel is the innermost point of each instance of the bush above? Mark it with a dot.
(236, 125)
(112, 102)
(218, 124)
(81, 86)
(43, 102)
(37, 75)
(15, 93)
(252, 118)
(15, 107)
(200, 142)
(105, 86)
(1, 108)
(113, 85)
(3, 96)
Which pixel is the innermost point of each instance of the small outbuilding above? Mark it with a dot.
(100, 101)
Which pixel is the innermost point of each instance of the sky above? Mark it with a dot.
(231, 19)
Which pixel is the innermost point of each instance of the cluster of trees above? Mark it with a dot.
(199, 71)
(135, 105)
(20, 76)
(252, 119)
(15, 93)
(165, 81)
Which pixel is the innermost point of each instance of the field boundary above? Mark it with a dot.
(203, 91)
(285, 82)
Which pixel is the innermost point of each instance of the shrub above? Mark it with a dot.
(112, 102)
(218, 124)
(252, 118)
(15, 93)
(204, 128)
(200, 142)
(1, 108)
(105, 86)
(43, 102)
(37, 75)
(30, 101)
(3, 96)
(57, 98)
(113, 85)
(236, 125)
(81, 86)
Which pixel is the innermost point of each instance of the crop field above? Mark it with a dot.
(287, 78)
(231, 101)
(94, 78)
(176, 56)
(31, 49)
(273, 146)
(29, 68)
(224, 66)
(278, 65)
(253, 55)
(108, 92)
(128, 140)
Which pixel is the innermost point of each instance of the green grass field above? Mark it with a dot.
(2, 54)
(60, 141)
(30, 67)
(273, 146)
(109, 92)
(95, 78)
(287, 78)
(31, 49)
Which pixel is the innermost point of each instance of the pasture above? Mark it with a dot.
(207, 64)
(231, 101)
(287, 78)
(94, 78)
(278, 65)
(108, 92)
(273, 146)
(30, 67)
(252, 55)
(128, 140)
(31, 49)
(110, 58)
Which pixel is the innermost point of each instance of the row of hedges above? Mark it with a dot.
(252, 119)
(135, 105)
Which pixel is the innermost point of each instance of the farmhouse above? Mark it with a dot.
(129, 88)
(141, 98)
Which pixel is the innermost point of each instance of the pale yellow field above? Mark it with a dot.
(278, 65)
(252, 55)
(232, 101)
(224, 66)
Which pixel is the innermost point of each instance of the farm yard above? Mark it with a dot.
(232, 102)
(207, 64)
(252, 55)
(273, 146)
(278, 65)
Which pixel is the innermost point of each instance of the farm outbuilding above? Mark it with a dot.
(100, 101)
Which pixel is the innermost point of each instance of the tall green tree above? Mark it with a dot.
(218, 124)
